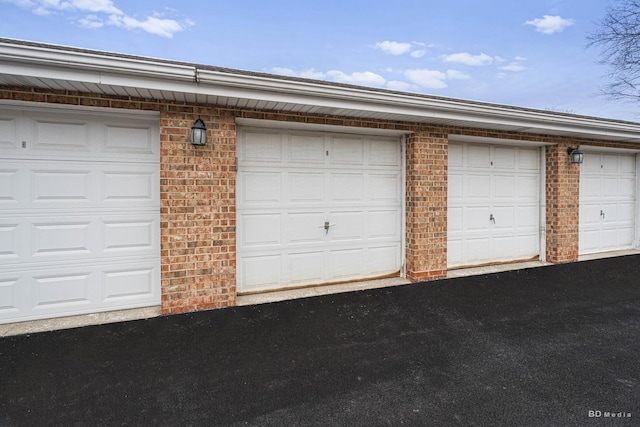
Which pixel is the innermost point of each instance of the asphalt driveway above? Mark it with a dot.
(556, 345)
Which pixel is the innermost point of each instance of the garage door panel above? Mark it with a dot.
(261, 271)
(381, 153)
(477, 156)
(62, 289)
(493, 212)
(503, 247)
(80, 222)
(627, 188)
(306, 267)
(261, 230)
(12, 238)
(263, 147)
(61, 135)
(347, 151)
(527, 188)
(607, 203)
(351, 181)
(308, 149)
(346, 187)
(134, 138)
(505, 188)
(525, 243)
(128, 186)
(62, 238)
(383, 224)
(455, 188)
(123, 235)
(349, 226)
(385, 188)
(9, 185)
(454, 251)
(455, 219)
(122, 284)
(504, 158)
(455, 155)
(478, 187)
(9, 140)
(504, 218)
(627, 165)
(610, 187)
(590, 163)
(527, 217)
(383, 259)
(10, 291)
(476, 249)
(261, 187)
(305, 187)
(304, 227)
(477, 218)
(346, 264)
(528, 160)
(590, 188)
(626, 213)
(609, 163)
(49, 185)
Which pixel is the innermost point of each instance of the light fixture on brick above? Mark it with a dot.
(577, 156)
(198, 132)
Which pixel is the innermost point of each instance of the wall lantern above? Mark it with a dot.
(577, 156)
(198, 132)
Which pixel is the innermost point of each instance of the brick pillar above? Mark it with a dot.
(563, 203)
(426, 237)
(197, 224)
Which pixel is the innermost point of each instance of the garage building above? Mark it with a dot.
(105, 204)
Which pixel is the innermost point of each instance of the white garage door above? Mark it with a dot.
(79, 213)
(291, 183)
(607, 202)
(493, 204)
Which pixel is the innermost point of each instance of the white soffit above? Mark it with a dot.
(278, 124)
(496, 141)
(56, 67)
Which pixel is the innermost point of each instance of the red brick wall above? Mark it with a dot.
(563, 200)
(197, 191)
(426, 206)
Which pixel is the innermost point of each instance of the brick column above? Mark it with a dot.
(426, 200)
(197, 224)
(563, 204)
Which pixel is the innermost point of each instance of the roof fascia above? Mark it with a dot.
(103, 69)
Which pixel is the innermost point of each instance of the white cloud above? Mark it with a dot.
(468, 59)
(152, 24)
(550, 24)
(431, 79)
(91, 21)
(393, 48)
(414, 49)
(457, 75)
(398, 85)
(514, 66)
(366, 78)
(305, 74)
(104, 12)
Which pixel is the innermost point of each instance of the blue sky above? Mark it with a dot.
(524, 53)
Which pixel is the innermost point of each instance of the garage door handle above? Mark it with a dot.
(602, 214)
(491, 218)
(326, 226)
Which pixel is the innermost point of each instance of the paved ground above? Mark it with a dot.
(545, 346)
